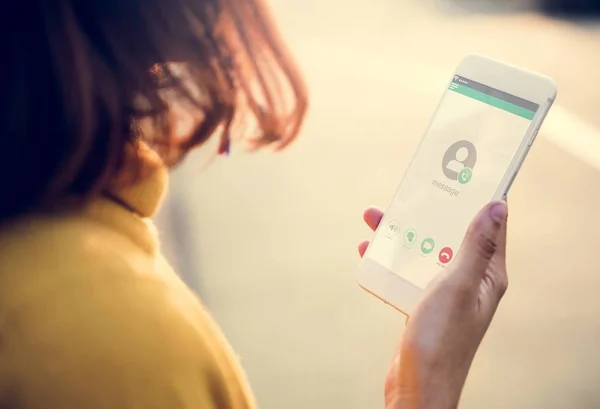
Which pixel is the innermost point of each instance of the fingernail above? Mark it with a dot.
(499, 211)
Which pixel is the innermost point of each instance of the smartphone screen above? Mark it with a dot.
(458, 167)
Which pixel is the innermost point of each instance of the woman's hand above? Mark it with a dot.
(444, 333)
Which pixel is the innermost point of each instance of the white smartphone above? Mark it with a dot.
(480, 134)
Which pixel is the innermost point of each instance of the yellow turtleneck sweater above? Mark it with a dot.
(93, 317)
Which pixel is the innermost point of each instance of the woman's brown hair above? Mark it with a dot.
(81, 79)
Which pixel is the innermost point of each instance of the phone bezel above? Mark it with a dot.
(395, 290)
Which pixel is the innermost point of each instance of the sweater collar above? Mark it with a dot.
(130, 202)
(143, 193)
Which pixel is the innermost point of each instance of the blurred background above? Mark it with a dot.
(268, 241)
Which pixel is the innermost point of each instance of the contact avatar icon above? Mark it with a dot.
(459, 161)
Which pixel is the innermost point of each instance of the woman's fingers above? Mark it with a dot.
(362, 247)
(480, 264)
(372, 217)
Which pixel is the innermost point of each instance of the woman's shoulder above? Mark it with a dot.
(46, 247)
(74, 262)
(88, 314)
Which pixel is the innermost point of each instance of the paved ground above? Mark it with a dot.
(272, 249)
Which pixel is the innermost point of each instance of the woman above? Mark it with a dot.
(100, 97)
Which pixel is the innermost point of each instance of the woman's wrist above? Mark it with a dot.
(430, 398)
(439, 397)
(435, 388)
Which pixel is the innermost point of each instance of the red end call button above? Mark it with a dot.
(445, 255)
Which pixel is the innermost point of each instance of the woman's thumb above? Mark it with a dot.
(485, 238)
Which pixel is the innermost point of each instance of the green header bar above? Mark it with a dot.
(493, 101)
